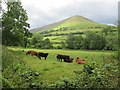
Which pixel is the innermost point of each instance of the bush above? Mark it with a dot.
(14, 72)
(59, 47)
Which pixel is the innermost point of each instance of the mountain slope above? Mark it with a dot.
(47, 27)
(77, 22)
(74, 22)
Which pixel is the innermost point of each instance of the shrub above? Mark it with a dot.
(14, 72)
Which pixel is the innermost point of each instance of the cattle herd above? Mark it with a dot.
(38, 54)
(60, 57)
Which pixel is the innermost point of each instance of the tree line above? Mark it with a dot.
(92, 41)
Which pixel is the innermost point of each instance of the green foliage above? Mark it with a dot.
(14, 25)
(95, 41)
(91, 41)
(105, 30)
(112, 42)
(47, 44)
(92, 76)
(103, 76)
(38, 42)
(74, 42)
(14, 72)
(59, 47)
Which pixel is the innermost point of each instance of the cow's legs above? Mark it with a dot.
(39, 57)
(45, 58)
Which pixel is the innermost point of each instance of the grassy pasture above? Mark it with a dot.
(53, 70)
(56, 38)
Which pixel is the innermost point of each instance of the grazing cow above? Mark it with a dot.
(64, 57)
(68, 60)
(32, 53)
(80, 61)
(41, 54)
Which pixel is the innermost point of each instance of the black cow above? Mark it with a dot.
(66, 58)
(60, 57)
(41, 54)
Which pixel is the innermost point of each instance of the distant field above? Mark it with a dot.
(56, 40)
(53, 70)
(73, 31)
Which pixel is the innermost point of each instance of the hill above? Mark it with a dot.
(74, 22)
(77, 25)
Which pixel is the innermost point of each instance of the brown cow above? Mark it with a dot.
(80, 61)
(32, 52)
(38, 54)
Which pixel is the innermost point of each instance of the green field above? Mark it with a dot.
(53, 70)
(73, 31)
(59, 39)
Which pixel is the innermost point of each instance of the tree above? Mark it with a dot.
(63, 45)
(105, 30)
(74, 42)
(14, 25)
(37, 40)
(78, 42)
(94, 41)
(70, 41)
(112, 42)
(85, 44)
(47, 44)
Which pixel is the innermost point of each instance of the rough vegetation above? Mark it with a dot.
(21, 71)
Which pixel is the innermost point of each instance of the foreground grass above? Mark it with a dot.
(52, 70)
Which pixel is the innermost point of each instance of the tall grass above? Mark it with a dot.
(21, 70)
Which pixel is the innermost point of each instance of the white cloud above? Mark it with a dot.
(43, 12)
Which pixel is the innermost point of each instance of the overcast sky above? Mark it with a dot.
(44, 12)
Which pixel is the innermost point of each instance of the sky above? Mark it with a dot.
(44, 12)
